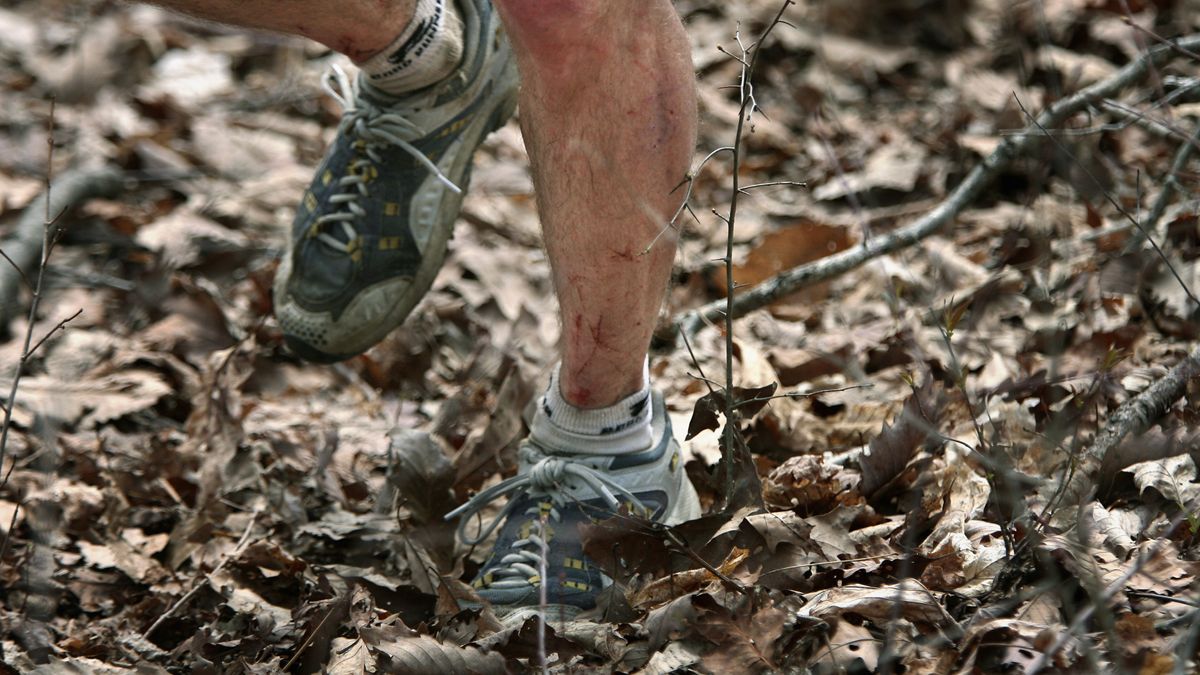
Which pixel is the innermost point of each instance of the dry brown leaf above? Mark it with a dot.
(744, 643)
(1013, 645)
(908, 600)
(10, 514)
(90, 64)
(1118, 528)
(849, 647)
(893, 166)
(680, 583)
(240, 154)
(1173, 478)
(185, 238)
(350, 657)
(674, 657)
(423, 655)
(783, 249)
(891, 450)
(808, 485)
(91, 401)
(192, 76)
(1082, 69)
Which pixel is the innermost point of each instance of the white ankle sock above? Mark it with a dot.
(428, 50)
(618, 429)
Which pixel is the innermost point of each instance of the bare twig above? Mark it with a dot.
(803, 394)
(1178, 45)
(338, 608)
(61, 325)
(747, 108)
(8, 532)
(543, 599)
(690, 181)
(1009, 149)
(32, 244)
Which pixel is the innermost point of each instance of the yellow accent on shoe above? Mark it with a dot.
(354, 249)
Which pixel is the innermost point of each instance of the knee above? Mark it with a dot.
(549, 15)
(552, 29)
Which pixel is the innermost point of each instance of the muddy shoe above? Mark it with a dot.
(370, 233)
(551, 495)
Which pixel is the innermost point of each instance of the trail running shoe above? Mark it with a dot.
(569, 490)
(370, 233)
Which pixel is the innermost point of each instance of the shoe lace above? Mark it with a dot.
(375, 127)
(519, 568)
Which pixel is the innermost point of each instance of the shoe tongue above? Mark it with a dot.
(398, 102)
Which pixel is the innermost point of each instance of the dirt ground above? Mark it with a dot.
(923, 494)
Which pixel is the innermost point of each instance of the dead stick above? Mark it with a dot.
(1100, 461)
(1012, 147)
(24, 247)
(1137, 414)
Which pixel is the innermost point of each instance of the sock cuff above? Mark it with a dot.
(428, 48)
(620, 428)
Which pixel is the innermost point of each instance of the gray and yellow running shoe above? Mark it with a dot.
(538, 563)
(370, 233)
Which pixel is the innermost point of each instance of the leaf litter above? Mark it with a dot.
(185, 496)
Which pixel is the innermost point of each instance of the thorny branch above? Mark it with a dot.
(1009, 149)
(747, 109)
(32, 244)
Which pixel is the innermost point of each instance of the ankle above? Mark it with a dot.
(426, 51)
(620, 428)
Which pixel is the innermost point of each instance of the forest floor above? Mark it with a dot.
(928, 491)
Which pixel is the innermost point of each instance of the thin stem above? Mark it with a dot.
(745, 110)
(10, 402)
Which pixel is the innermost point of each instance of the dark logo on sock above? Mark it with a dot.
(420, 40)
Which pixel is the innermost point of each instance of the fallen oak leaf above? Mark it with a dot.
(745, 642)
(747, 402)
(890, 451)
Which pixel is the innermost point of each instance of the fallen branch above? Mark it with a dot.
(23, 248)
(1137, 414)
(1169, 186)
(1010, 148)
(1100, 462)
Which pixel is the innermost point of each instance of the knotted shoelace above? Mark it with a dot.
(547, 477)
(376, 128)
